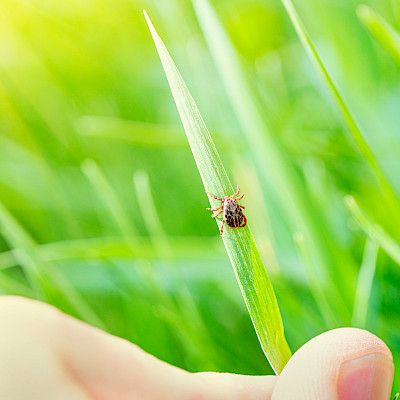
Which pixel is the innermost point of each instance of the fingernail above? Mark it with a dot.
(366, 378)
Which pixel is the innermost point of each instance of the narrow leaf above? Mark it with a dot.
(317, 288)
(251, 275)
(195, 330)
(373, 230)
(105, 248)
(38, 272)
(352, 125)
(364, 284)
(18, 238)
(119, 214)
(141, 134)
(381, 30)
(149, 212)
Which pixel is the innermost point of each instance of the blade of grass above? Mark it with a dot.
(275, 169)
(164, 302)
(42, 163)
(149, 213)
(381, 30)
(109, 198)
(373, 230)
(26, 254)
(316, 287)
(136, 133)
(364, 284)
(352, 126)
(251, 275)
(109, 247)
(195, 329)
(133, 132)
(161, 299)
(39, 273)
(106, 193)
(10, 285)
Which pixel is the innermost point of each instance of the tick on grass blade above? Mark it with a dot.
(230, 209)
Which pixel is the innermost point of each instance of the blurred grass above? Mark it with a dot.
(353, 127)
(364, 285)
(81, 81)
(381, 30)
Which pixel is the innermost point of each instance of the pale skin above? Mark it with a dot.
(45, 354)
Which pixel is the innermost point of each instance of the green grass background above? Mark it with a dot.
(123, 240)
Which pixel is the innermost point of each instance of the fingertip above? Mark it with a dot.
(314, 370)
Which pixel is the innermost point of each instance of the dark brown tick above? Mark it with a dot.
(230, 209)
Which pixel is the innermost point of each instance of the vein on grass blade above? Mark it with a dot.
(251, 275)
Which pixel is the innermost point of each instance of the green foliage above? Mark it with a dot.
(364, 285)
(124, 241)
(381, 30)
(352, 125)
(373, 230)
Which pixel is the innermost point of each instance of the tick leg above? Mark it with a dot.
(215, 209)
(237, 191)
(242, 206)
(216, 213)
(214, 197)
(222, 227)
(240, 197)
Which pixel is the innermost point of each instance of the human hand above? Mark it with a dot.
(46, 355)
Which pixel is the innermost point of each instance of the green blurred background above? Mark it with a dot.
(102, 211)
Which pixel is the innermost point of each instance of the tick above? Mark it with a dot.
(230, 209)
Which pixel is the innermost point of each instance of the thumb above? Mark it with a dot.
(342, 364)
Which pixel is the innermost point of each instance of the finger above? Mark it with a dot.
(63, 356)
(221, 386)
(342, 364)
(67, 359)
(132, 372)
(29, 368)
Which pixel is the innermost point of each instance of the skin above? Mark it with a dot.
(45, 354)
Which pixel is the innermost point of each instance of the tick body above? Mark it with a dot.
(230, 210)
